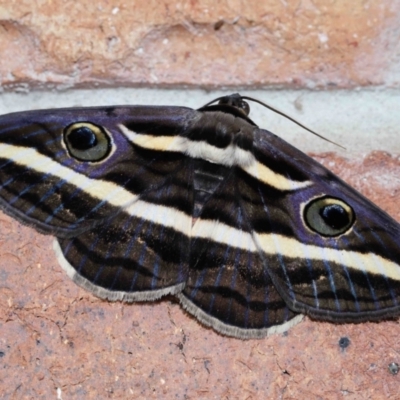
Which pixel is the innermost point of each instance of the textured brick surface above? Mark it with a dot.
(58, 340)
(225, 43)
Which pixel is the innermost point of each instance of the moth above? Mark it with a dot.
(245, 230)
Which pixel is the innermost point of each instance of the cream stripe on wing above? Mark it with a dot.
(99, 189)
(221, 233)
(228, 156)
(357, 261)
(271, 178)
(32, 159)
(268, 243)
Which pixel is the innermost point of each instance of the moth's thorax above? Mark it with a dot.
(221, 138)
(214, 136)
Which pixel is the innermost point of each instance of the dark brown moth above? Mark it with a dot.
(245, 230)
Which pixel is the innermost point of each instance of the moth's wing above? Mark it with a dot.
(42, 185)
(141, 253)
(228, 287)
(118, 220)
(352, 276)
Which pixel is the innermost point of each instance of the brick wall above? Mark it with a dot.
(290, 44)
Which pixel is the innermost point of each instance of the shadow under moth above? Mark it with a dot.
(245, 230)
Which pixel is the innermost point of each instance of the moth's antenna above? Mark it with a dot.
(235, 98)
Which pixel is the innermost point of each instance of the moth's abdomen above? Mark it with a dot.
(206, 179)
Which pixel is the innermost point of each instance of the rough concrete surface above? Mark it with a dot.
(59, 342)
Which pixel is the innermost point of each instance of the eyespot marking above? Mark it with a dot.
(86, 141)
(328, 216)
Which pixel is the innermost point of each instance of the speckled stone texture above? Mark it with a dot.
(59, 342)
(210, 43)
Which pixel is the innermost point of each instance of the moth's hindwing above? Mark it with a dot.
(246, 230)
(228, 287)
(141, 253)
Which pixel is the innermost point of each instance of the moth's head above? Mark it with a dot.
(233, 104)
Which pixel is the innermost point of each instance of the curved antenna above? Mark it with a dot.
(275, 110)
